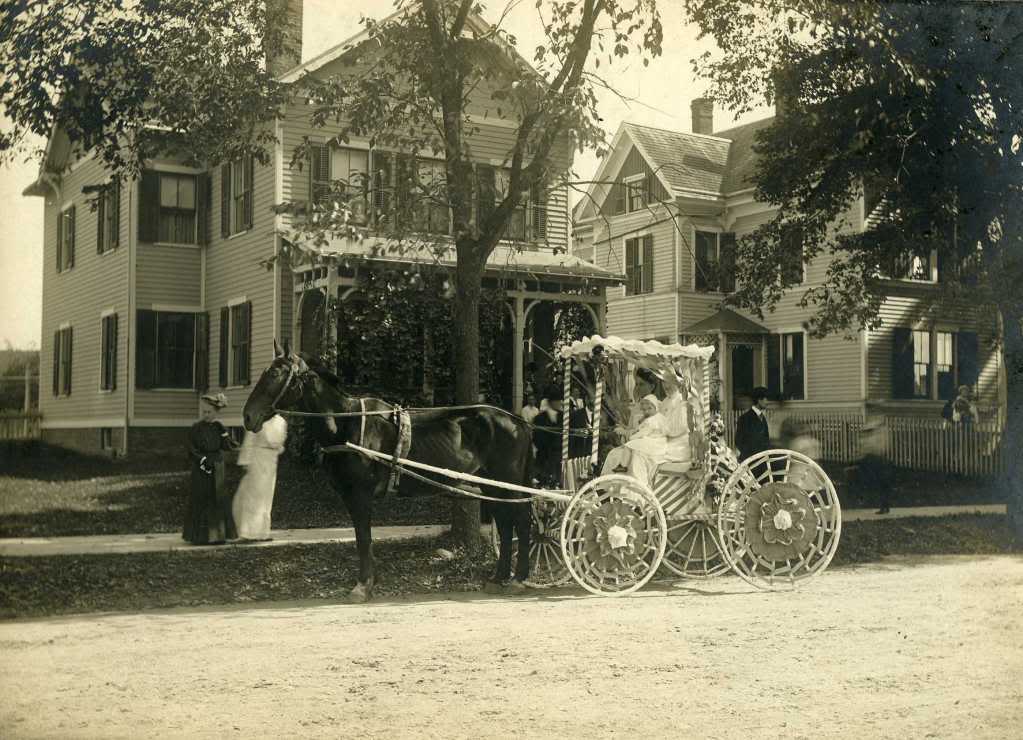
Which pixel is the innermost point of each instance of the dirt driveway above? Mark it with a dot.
(906, 649)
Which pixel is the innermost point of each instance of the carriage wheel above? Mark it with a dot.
(693, 550)
(546, 567)
(613, 535)
(779, 519)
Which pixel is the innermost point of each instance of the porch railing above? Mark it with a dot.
(914, 443)
(20, 425)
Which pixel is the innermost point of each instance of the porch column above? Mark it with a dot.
(519, 332)
(602, 316)
(726, 392)
(329, 317)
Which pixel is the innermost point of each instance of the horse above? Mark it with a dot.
(480, 440)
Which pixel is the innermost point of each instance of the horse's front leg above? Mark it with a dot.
(359, 503)
(505, 531)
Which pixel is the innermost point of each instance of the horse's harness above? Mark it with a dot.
(399, 417)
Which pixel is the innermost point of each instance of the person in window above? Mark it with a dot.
(255, 495)
(646, 447)
(208, 520)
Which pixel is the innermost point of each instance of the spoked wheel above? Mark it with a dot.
(693, 550)
(546, 566)
(613, 535)
(779, 519)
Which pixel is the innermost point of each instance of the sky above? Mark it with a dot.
(657, 95)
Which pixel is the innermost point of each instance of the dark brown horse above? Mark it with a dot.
(479, 440)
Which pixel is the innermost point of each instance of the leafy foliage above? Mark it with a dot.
(130, 80)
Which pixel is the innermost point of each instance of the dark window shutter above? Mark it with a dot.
(648, 264)
(244, 373)
(538, 200)
(631, 265)
(145, 349)
(225, 200)
(70, 356)
(56, 363)
(967, 357)
(104, 353)
(774, 366)
(113, 352)
(149, 207)
(202, 352)
(101, 221)
(727, 263)
(319, 172)
(902, 363)
(249, 191)
(225, 328)
(202, 208)
(60, 241)
(70, 246)
(114, 207)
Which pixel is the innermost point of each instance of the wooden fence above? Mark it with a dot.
(20, 425)
(913, 443)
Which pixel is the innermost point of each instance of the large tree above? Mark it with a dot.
(919, 104)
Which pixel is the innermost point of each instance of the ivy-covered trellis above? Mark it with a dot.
(395, 336)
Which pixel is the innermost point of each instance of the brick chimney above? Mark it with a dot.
(703, 115)
(287, 16)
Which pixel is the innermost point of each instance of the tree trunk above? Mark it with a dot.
(1012, 444)
(465, 513)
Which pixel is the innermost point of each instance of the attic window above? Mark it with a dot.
(637, 193)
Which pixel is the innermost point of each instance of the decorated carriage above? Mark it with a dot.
(773, 519)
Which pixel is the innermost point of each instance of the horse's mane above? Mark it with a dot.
(317, 366)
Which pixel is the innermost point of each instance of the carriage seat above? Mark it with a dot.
(677, 468)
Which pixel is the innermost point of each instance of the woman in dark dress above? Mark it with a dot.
(209, 520)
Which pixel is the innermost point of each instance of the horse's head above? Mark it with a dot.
(280, 386)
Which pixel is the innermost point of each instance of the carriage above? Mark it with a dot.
(773, 519)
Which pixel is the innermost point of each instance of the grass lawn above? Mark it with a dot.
(41, 586)
(51, 494)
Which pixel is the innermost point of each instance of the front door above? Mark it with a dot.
(743, 375)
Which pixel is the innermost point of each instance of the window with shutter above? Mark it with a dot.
(203, 196)
(56, 363)
(145, 349)
(225, 335)
(432, 215)
(319, 174)
(726, 260)
(637, 193)
(149, 207)
(66, 356)
(538, 204)
(648, 264)
(944, 364)
(108, 217)
(633, 274)
(66, 239)
(108, 358)
(350, 168)
(240, 334)
(383, 189)
(707, 263)
(902, 363)
(225, 200)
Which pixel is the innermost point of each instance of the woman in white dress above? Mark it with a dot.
(255, 496)
(646, 447)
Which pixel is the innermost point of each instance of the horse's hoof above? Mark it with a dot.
(358, 595)
(493, 587)
(515, 587)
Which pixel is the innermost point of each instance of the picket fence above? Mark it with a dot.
(20, 426)
(913, 443)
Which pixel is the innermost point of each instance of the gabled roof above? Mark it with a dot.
(725, 321)
(742, 160)
(702, 163)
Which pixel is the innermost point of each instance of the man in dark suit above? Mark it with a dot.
(751, 433)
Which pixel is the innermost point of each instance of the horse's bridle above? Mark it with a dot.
(293, 373)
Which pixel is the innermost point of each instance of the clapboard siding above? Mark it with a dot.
(489, 143)
(233, 271)
(168, 275)
(642, 317)
(905, 311)
(78, 296)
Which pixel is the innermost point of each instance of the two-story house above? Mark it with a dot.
(154, 291)
(665, 210)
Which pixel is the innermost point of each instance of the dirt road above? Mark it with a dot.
(931, 648)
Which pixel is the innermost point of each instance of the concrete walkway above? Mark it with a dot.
(168, 542)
